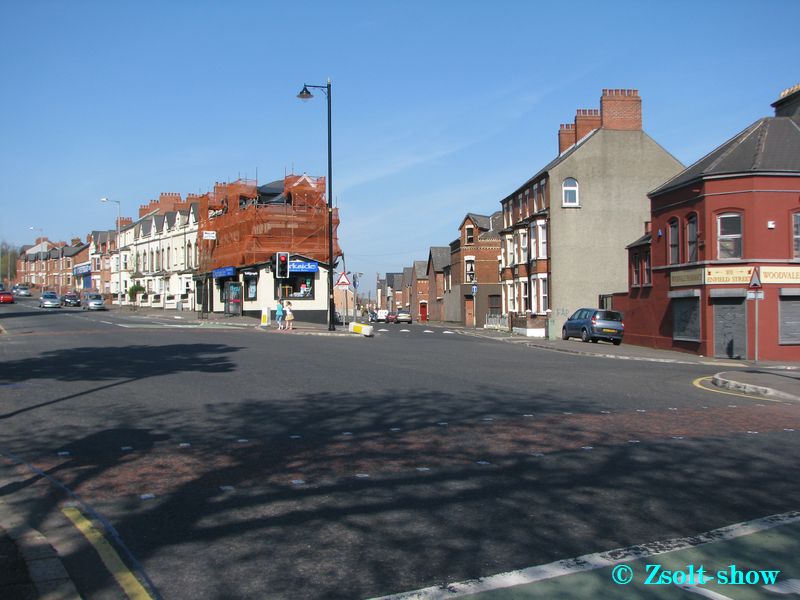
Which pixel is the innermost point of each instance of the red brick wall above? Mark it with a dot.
(586, 119)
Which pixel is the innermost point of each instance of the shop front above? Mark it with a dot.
(82, 277)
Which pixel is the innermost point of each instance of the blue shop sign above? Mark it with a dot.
(82, 270)
(299, 266)
(223, 272)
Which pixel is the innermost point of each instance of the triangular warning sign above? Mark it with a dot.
(343, 281)
(755, 280)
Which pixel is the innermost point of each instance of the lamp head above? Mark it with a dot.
(103, 199)
(305, 95)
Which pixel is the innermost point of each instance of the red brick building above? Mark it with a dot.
(732, 214)
(438, 262)
(472, 282)
(419, 291)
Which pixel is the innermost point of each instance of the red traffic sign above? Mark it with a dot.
(343, 281)
(755, 280)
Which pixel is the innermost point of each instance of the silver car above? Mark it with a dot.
(49, 300)
(93, 302)
(23, 290)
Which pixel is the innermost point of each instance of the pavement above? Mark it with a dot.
(30, 567)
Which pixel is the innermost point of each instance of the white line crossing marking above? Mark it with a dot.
(405, 331)
(448, 332)
(107, 322)
(592, 562)
(427, 331)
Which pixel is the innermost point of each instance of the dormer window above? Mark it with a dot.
(569, 192)
(469, 233)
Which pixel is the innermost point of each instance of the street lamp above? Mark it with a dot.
(119, 250)
(306, 95)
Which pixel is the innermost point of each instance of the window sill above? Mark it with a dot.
(570, 205)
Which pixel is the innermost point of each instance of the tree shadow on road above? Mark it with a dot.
(458, 486)
(118, 365)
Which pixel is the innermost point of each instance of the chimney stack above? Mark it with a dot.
(788, 105)
(621, 109)
(586, 119)
(566, 137)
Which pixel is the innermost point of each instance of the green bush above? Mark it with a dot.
(133, 290)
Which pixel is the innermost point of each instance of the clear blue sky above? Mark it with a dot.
(439, 108)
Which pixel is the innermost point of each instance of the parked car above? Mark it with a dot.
(93, 301)
(70, 299)
(593, 324)
(402, 316)
(49, 300)
(381, 315)
(6, 298)
(391, 317)
(23, 290)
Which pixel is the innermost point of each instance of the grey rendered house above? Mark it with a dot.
(566, 228)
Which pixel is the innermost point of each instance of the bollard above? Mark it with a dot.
(365, 330)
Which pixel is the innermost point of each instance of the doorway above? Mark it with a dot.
(730, 328)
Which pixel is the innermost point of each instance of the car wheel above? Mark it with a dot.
(617, 342)
(584, 335)
(594, 340)
(564, 335)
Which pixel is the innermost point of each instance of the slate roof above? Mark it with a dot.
(146, 225)
(408, 275)
(481, 221)
(73, 250)
(171, 216)
(555, 162)
(394, 280)
(495, 225)
(159, 221)
(770, 145)
(273, 188)
(421, 269)
(440, 257)
(642, 241)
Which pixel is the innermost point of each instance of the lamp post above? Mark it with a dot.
(119, 251)
(306, 95)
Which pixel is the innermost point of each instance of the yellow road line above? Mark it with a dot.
(127, 581)
(697, 383)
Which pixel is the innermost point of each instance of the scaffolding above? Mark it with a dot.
(252, 226)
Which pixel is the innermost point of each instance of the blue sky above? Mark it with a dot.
(439, 108)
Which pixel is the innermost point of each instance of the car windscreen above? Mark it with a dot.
(608, 315)
(94, 297)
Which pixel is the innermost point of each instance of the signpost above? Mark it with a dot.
(209, 235)
(756, 294)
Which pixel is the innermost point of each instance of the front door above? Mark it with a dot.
(469, 311)
(730, 328)
(423, 312)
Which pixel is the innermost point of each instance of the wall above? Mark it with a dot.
(614, 170)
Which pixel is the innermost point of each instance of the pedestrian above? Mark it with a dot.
(289, 316)
(279, 315)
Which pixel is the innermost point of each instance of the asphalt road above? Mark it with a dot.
(287, 466)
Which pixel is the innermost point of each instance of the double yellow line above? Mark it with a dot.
(127, 581)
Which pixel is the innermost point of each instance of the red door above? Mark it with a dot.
(469, 313)
(423, 312)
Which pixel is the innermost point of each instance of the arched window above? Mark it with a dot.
(691, 238)
(729, 236)
(569, 192)
(196, 254)
(673, 239)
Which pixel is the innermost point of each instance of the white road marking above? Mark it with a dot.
(107, 322)
(592, 562)
(147, 496)
(427, 331)
(184, 445)
(382, 330)
(405, 331)
(705, 592)
(448, 332)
